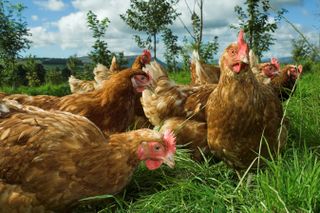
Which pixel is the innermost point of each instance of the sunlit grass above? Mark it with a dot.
(47, 89)
(290, 183)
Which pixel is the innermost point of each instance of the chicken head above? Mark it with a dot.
(294, 71)
(146, 57)
(271, 69)
(154, 153)
(140, 81)
(236, 55)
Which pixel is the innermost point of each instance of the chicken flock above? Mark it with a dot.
(55, 151)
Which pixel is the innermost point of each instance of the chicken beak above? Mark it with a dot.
(244, 59)
(169, 160)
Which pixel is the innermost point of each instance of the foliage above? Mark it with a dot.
(172, 49)
(54, 76)
(47, 89)
(35, 72)
(73, 64)
(206, 50)
(184, 52)
(301, 50)
(256, 24)
(100, 53)
(150, 16)
(13, 39)
(14, 31)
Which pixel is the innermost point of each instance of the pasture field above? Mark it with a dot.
(289, 183)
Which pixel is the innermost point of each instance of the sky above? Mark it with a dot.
(59, 27)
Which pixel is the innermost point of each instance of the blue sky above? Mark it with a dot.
(59, 28)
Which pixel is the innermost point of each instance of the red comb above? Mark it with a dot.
(170, 140)
(243, 46)
(147, 54)
(275, 62)
(241, 40)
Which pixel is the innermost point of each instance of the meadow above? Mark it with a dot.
(288, 183)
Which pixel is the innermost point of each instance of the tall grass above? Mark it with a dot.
(290, 183)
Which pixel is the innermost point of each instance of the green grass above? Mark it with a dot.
(48, 89)
(290, 183)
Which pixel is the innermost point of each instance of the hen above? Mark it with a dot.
(50, 160)
(264, 72)
(284, 83)
(240, 111)
(100, 72)
(202, 73)
(189, 133)
(167, 99)
(142, 60)
(111, 108)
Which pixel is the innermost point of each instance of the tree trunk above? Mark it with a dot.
(155, 46)
(201, 22)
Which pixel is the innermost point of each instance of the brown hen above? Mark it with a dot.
(202, 73)
(240, 111)
(111, 108)
(285, 82)
(51, 160)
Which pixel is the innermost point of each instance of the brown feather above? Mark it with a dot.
(239, 111)
(63, 158)
(111, 108)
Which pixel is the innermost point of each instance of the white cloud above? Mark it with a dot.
(41, 37)
(72, 31)
(34, 17)
(54, 5)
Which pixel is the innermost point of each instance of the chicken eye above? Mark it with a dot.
(157, 148)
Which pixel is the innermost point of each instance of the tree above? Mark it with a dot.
(13, 38)
(54, 76)
(301, 50)
(206, 50)
(100, 53)
(172, 49)
(73, 64)
(256, 23)
(35, 72)
(150, 16)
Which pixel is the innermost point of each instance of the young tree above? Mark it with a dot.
(13, 38)
(35, 72)
(100, 53)
(172, 49)
(206, 49)
(150, 16)
(301, 50)
(256, 23)
(73, 64)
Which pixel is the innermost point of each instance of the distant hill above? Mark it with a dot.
(86, 60)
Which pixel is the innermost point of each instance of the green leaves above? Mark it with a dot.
(150, 16)
(100, 53)
(257, 25)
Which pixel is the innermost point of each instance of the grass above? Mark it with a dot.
(48, 89)
(290, 183)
